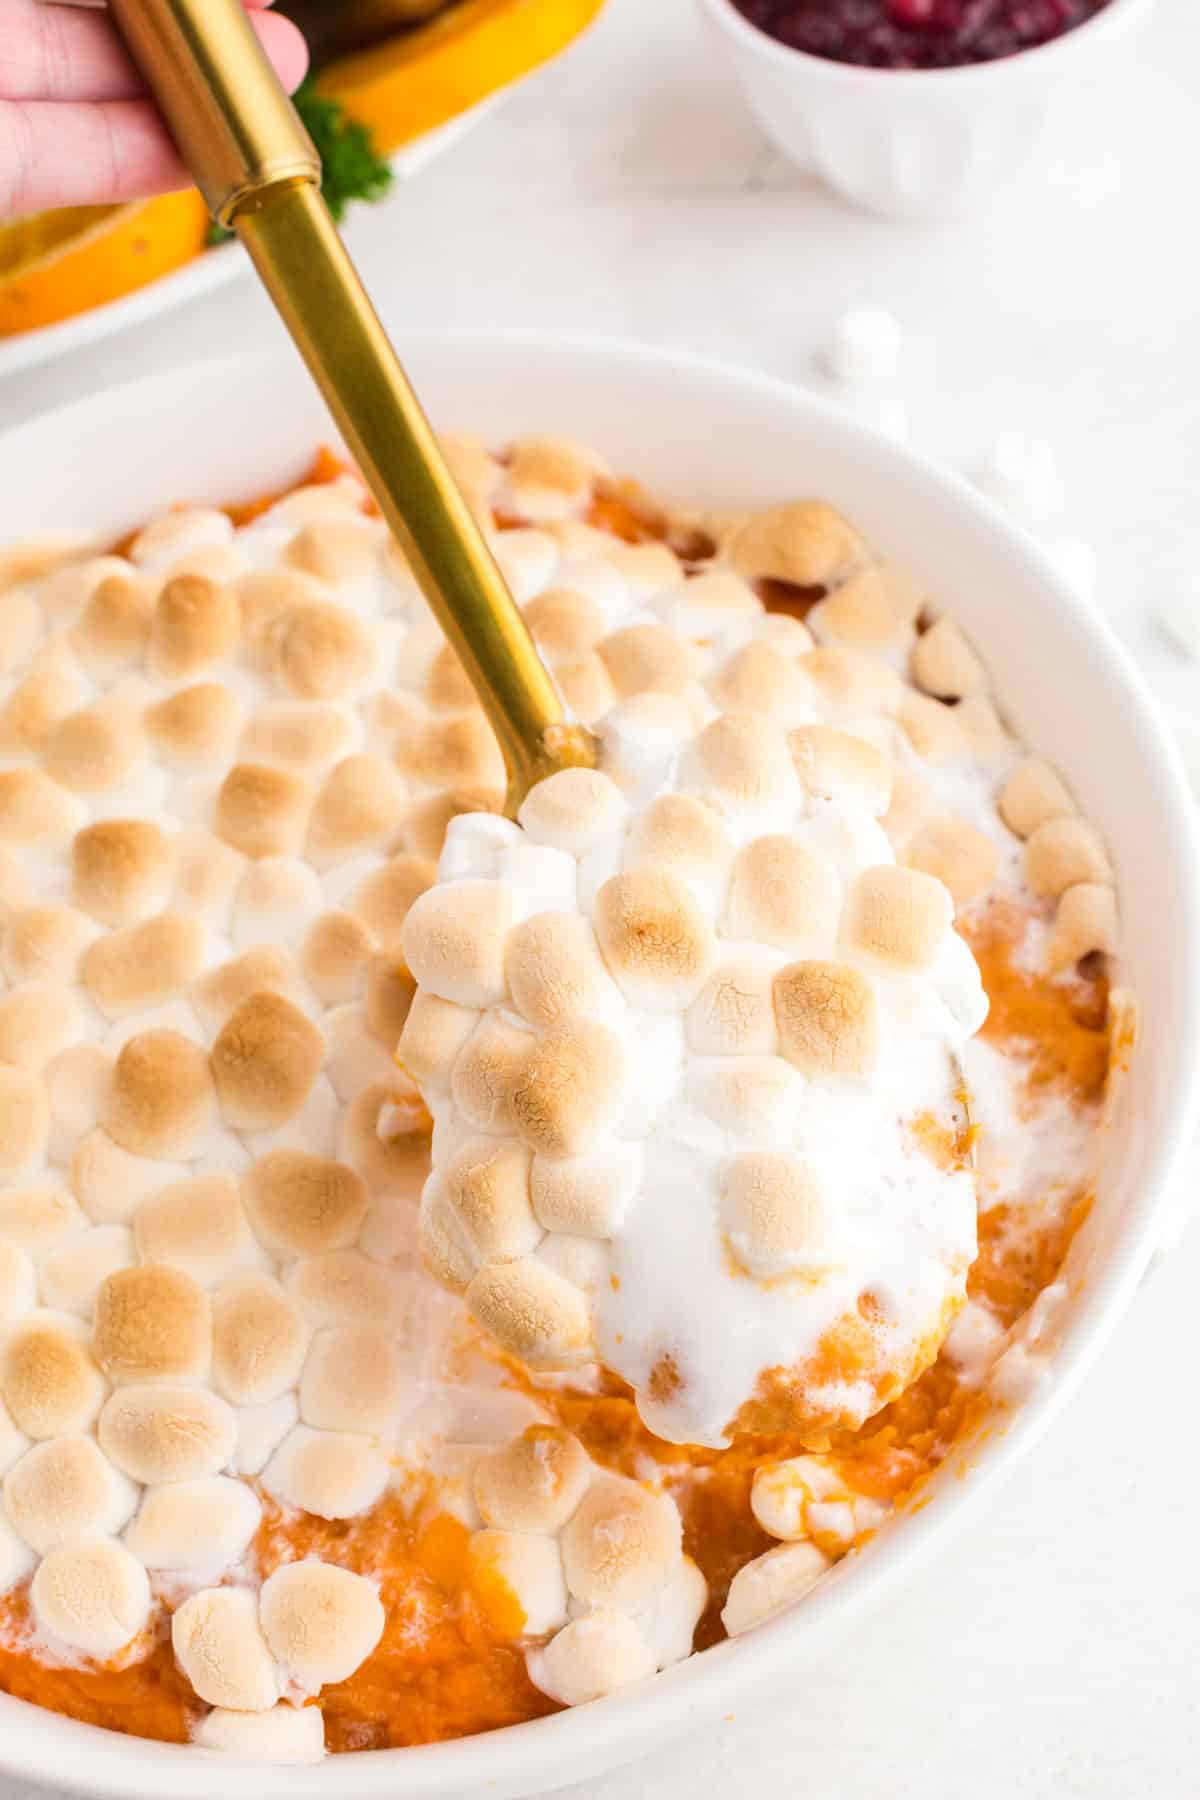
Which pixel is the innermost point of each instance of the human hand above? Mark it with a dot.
(75, 126)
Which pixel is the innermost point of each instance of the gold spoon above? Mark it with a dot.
(258, 171)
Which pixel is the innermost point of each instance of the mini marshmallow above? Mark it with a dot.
(300, 1205)
(591, 1657)
(51, 688)
(657, 943)
(434, 1034)
(486, 1189)
(1020, 472)
(198, 1227)
(682, 837)
(141, 966)
(34, 1219)
(354, 1056)
(262, 811)
(335, 957)
(784, 895)
(759, 678)
(530, 1568)
(1085, 924)
(259, 1340)
(392, 1162)
(321, 1622)
(283, 1736)
(827, 1018)
(24, 1119)
(897, 918)
(195, 728)
(573, 811)
(865, 347)
(586, 1196)
(488, 1072)
(641, 740)
(166, 1434)
(621, 1545)
(162, 1102)
(352, 1380)
(34, 810)
(335, 1474)
(322, 652)
(532, 1312)
(741, 764)
(194, 1527)
(771, 1584)
(944, 665)
(264, 1063)
(260, 1431)
(339, 551)
(91, 1597)
(806, 543)
(121, 870)
(70, 1275)
(1033, 796)
(38, 1020)
(533, 1484)
(359, 808)
(1063, 852)
(64, 1492)
(838, 767)
(303, 735)
(570, 1090)
(109, 1182)
(452, 752)
(549, 478)
(454, 938)
(388, 998)
(218, 1644)
(646, 657)
(45, 943)
(962, 858)
(750, 1099)
(777, 1214)
(175, 534)
(734, 1015)
(152, 1323)
(263, 970)
(874, 610)
(94, 749)
(111, 632)
(527, 561)
(554, 969)
(50, 1384)
(932, 728)
(473, 846)
(19, 1285)
(564, 623)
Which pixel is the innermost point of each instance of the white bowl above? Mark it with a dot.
(917, 143)
(225, 430)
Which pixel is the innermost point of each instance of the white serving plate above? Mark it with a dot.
(215, 269)
(228, 429)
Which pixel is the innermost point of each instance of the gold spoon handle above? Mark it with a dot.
(260, 175)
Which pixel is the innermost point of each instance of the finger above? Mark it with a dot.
(67, 53)
(82, 154)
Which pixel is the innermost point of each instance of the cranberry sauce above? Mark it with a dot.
(916, 34)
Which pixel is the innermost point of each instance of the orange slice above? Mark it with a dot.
(410, 84)
(55, 265)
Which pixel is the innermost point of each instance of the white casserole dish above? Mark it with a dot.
(707, 435)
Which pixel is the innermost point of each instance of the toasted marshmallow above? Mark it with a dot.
(94, 749)
(454, 940)
(657, 943)
(300, 1205)
(771, 1584)
(44, 943)
(734, 1013)
(64, 1492)
(943, 663)
(760, 678)
(827, 1019)
(486, 1189)
(750, 1099)
(220, 1648)
(533, 1484)
(872, 611)
(336, 550)
(110, 1182)
(488, 1072)
(897, 918)
(571, 1089)
(198, 1227)
(585, 1196)
(385, 898)
(34, 810)
(741, 764)
(645, 658)
(434, 1034)
(451, 752)
(162, 1102)
(682, 837)
(206, 874)
(335, 1474)
(259, 1339)
(573, 811)
(70, 1275)
(1033, 796)
(777, 1214)
(785, 895)
(320, 1621)
(322, 651)
(841, 768)
(392, 1163)
(121, 871)
(591, 1657)
(274, 903)
(1084, 925)
(152, 1323)
(621, 1545)
(352, 1380)
(303, 735)
(532, 1312)
(260, 1431)
(282, 1736)
(91, 1597)
(50, 1384)
(359, 808)
(110, 633)
(555, 971)
(335, 957)
(195, 1527)
(195, 728)
(263, 970)
(34, 1219)
(565, 624)
(388, 998)
(166, 1434)
(140, 966)
(963, 858)
(38, 1020)
(530, 1569)
(806, 543)
(19, 1285)
(264, 1063)
(1063, 852)
(262, 811)
(344, 1287)
(932, 728)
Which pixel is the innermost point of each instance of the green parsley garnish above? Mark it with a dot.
(351, 169)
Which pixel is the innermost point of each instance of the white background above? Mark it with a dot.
(1053, 1651)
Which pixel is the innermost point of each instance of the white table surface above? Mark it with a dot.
(1053, 1650)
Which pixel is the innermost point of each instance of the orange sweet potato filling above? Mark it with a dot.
(446, 1666)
